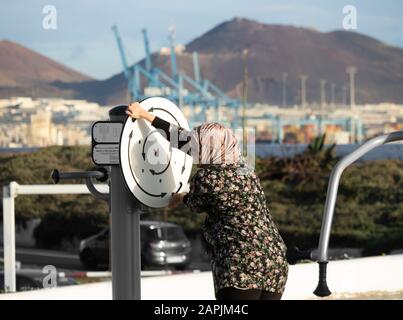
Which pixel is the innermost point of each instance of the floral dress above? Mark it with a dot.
(247, 251)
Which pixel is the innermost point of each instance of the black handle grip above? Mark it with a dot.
(322, 290)
(101, 174)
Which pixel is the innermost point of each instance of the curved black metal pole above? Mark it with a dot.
(99, 173)
(94, 191)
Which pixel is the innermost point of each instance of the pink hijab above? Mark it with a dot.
(212, 143)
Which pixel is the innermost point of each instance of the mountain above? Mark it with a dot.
(273, 50)
(23, 70)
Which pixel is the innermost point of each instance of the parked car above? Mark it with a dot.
(163, 244)
(32, 279)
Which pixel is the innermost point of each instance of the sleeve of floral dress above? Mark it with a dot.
(199, 198)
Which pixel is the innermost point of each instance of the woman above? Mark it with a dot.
(247, 251)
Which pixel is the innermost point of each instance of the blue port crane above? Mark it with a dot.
(127, 71)
(178, 87)
(208, 94)
(156, 79)
(174, 71)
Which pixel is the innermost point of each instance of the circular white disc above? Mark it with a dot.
(152, 169)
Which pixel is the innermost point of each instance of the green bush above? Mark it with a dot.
(368, 214)
(79, 218)
(64, 217)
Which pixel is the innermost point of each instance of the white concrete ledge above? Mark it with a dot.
(344, 277)
(347, 276)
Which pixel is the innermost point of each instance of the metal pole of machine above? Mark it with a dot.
(125, 231)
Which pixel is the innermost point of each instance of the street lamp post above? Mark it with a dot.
(244, 99)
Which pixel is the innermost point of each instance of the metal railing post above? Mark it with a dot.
(9, 236)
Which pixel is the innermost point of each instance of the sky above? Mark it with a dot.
(84, 41)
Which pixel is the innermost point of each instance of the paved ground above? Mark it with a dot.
(363, 278)
(38, 258)
(371, 295)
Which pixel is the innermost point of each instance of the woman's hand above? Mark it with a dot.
(176, 199)
(136, 111)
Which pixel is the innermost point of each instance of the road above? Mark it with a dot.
(40, 258)
(67, 261)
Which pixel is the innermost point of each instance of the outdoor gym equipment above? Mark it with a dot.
(136, 180)
(321, 254)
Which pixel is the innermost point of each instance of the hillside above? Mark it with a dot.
(273, 49)
(21, 67)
